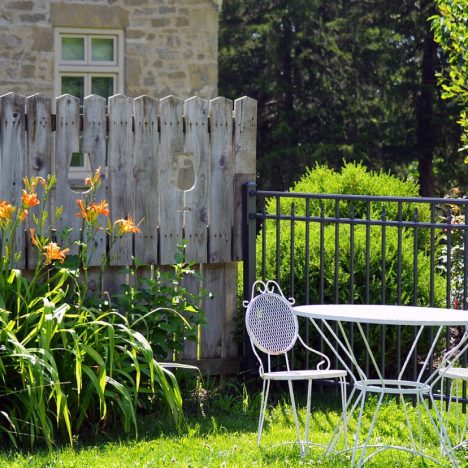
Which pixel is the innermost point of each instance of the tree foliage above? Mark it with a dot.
(340, 81)
(451, 32)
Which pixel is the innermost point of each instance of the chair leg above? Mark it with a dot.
(261, 419)
(344, 410)
(461, 440)
(296, 419)
(307, 426)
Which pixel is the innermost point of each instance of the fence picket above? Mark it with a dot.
(94, 145)
(120, 172)
(172, 158)
(39, 137)
(145, 172)
(216, 338)
(39, 151)
(221, 180)
(245, 129)
(196, 198)
(192, 285)
(66, 143)
(12, 153)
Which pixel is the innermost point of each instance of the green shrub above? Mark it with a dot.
(385, 284)
(354, 179)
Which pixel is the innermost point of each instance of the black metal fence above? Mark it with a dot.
(325, 248)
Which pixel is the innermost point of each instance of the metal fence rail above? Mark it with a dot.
(334, 248)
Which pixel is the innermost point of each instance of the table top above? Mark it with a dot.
(384, 314)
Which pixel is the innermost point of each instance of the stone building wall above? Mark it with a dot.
(171, 46)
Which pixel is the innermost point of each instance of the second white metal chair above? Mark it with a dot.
(456, 375)
(273, 329)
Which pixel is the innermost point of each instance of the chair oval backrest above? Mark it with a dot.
(271, 323)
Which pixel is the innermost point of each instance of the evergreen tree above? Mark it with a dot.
(340, 81)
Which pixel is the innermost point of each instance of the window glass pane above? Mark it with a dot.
(102, 86)
(73, 85)
(102, 50)
(73, 48)
(77, 160)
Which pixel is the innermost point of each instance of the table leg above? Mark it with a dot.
(362, 397)
(441, 430)
(342, 426)
(371, 428)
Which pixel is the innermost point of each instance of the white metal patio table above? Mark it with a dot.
(328, 321)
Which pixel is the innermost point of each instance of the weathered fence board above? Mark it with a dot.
(39, 136)
(120, 170)
(196, 198)
(174, 165)
(12, 151)
(94, 145)
(39, 150)
(245, 129)
(221, 180)
(192, 285)
(146, 184)
(67, 142)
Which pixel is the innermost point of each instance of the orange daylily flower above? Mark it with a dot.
(34, 238)
(23, 215)
(101, 208)
(93, 210)
(52, 252)
(30, 199)
(126, 226)
(32, 183)
(91, 182)
(84, 213)
(6, 210)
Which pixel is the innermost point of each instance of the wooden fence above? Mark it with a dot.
(147, 149)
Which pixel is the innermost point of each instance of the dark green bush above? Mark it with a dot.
(385, 284)
(354, 179)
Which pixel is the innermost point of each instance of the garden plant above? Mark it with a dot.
(72, 359)
(353, 179)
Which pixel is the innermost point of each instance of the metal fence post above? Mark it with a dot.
(249, 234)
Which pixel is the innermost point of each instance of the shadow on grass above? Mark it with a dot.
(227, 410)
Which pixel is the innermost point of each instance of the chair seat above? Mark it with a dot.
(305, 374)
(455, 373)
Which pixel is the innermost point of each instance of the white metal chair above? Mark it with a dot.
(456, 375)
(273, 329)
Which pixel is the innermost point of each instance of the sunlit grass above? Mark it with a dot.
(225, 436)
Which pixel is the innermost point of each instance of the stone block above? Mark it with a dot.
(160, 22)
(204, 20)
(78, 15)
(20, 5)
(134, 34)
(182, 21)
(201, 75)
(42, 38)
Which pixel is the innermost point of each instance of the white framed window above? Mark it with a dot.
(88, 61)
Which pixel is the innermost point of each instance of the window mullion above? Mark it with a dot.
(87, 84)
(88, 50)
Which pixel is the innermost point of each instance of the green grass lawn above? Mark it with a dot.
(223, 434)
